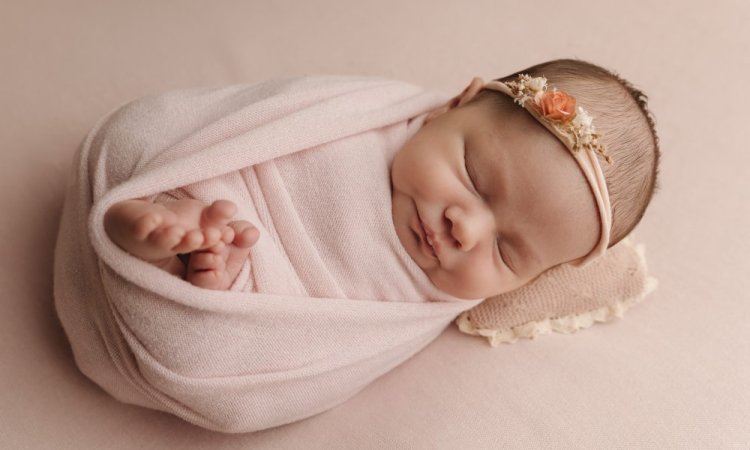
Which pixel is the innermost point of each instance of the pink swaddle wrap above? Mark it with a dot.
(328, 299)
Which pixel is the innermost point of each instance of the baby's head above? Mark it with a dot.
(502, 199)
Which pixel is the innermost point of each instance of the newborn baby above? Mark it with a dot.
(485, 196)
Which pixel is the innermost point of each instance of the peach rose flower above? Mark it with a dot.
(557, 105)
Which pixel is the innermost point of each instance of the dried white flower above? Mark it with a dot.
(583, 120)
(580, 129)
(537, 84)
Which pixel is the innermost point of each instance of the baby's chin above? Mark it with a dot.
(445, 285)
(450, 289)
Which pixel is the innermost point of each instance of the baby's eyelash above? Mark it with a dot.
(505, 261)
(473, 184)
(466, 167)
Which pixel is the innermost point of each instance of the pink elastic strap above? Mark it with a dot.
(589, 163)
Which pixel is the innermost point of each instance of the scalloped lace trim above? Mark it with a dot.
(567, 324)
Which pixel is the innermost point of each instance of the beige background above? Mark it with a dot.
(674, 373)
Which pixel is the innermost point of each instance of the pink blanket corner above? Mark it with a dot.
(318, 313)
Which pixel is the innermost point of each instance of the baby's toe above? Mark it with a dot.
(227, 235)
(218, 212)
(167, 237)
(206, 261)
(192, 240)
(143, 227)
(208, 279)
(245, 233)
(207, 268)
(211, 237)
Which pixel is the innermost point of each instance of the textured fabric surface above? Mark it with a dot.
(675, 374)
(303, 158)
(564, 298)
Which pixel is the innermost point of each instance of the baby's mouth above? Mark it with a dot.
(425, 240)
(429, 241)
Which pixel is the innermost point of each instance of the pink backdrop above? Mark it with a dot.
(674, 373)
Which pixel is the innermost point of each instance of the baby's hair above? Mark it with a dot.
(621, 116)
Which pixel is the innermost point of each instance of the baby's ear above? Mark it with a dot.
(471, 90)
(438, 112)
(467, 94)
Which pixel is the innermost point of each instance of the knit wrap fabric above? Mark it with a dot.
(328, 299)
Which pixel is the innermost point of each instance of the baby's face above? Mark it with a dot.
(502, 198)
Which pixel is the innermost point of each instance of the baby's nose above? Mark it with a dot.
(464, 232)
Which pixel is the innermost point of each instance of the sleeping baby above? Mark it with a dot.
(505, 181)
(333, 225)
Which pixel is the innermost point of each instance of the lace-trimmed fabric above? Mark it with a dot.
(565, 299)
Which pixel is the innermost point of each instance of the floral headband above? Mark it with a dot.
(557, 111)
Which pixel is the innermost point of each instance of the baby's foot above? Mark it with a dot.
(216, 267)
(157, 232)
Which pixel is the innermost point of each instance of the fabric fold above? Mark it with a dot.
(328, 299)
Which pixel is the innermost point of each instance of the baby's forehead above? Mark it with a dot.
(514, 130)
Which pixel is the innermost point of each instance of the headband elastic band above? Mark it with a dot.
(557, 111)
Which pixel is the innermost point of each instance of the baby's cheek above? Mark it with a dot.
(474, 281)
